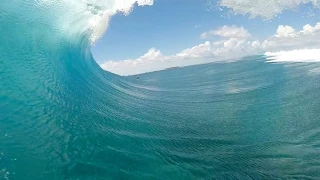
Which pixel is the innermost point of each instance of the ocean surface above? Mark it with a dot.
(63, 117)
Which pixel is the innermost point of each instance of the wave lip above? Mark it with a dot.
(89, 17)
(100, 20)
(298, 55)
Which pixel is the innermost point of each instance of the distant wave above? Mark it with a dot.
(298, 55)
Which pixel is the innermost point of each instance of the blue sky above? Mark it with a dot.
(172, 26)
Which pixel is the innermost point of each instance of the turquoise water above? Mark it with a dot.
(63, 117)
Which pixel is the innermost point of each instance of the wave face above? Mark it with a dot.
(63, 117)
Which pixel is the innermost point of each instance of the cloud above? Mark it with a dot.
(145, 2)
(285, 31)
(256, 44)
(152, 54)
(262, 8)
(308, 29)
(227, 32)
(145, 63)
(154, 60)
(285, 38)
(125, 6)
(202, 50)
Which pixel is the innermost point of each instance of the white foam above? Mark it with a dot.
(99, 21)
(298, 55)
(88, 16)
(4, 173)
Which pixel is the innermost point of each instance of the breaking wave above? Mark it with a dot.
(63, 117)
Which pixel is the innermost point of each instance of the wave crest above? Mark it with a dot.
(298, 55)
(91, 17)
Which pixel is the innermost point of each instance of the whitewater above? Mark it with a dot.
(63, 117)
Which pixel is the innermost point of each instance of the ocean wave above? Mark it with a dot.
(63, 117)
(298, 55)
(75, 17)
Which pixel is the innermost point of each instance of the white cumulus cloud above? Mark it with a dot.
(202, 50)
(233, 45)
(285, 38)
(285, 31)
(264, 8)
(308, 29)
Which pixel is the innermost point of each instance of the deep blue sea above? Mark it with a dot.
(63, 117)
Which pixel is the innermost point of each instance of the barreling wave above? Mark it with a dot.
(63, 117)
